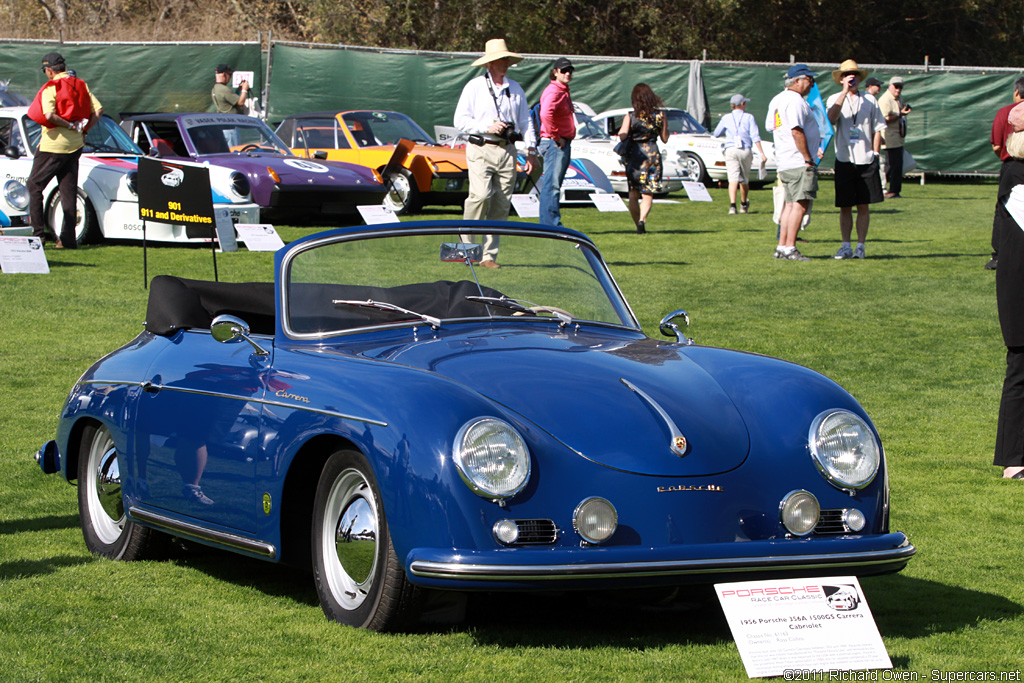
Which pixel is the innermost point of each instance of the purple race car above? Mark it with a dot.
(287, 188)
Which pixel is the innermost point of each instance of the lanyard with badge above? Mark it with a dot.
(854, 132)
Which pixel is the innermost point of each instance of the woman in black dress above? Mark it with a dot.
(644, 125)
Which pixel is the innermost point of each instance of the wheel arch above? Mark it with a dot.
(72, 451)
(299, 492)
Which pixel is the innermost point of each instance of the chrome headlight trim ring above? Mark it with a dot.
(839, 438)
(474, 453)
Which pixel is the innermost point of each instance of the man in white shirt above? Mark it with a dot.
(494, 112)
(797, 137)
(858, 125)
(741, 135)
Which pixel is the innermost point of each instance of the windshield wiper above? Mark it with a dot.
(391, 308)
(521, 306)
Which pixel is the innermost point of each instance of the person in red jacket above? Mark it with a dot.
(66, 110)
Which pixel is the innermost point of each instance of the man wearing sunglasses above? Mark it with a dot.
(895, 111)
(557, 130)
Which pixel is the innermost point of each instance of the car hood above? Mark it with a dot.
(295, 170)
(573, 386)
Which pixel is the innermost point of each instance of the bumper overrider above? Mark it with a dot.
(861, 556)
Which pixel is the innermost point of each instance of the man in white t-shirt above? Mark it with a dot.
(858, 125)
(792, 124)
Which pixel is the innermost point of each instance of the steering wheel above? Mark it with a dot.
(250, 146)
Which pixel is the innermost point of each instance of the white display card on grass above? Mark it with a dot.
(696, 191)
(259, 236)
(373, 214)
(608, 201)
(526, 205)
(802, 625)
(23, 255)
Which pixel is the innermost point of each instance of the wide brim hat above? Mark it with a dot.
(846, 67)
(496, 49)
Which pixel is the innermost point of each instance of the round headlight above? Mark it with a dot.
(844, 449)
(133, 183)
(16, 194)
(240, 184)
(800, 512)
(492, 458)
(595, 520)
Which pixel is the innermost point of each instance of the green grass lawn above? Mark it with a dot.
(911, 332)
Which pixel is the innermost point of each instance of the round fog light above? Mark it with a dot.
(506, 531)
(854, 519)
(800, 511)
(595, 520)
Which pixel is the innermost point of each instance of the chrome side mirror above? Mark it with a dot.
(227, 329)
(462, 251)
(670, 329)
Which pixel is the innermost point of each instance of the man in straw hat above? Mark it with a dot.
(858, 125)
(494, 112)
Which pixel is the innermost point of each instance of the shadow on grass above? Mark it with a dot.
(623, 264)
(913, 608)
(17, 526)
(23, 568)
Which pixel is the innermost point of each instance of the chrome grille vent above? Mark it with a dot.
(536, 532)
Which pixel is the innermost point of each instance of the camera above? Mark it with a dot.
(509, 133)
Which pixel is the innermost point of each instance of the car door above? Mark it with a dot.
(197, 430)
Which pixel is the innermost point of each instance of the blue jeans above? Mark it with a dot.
(556, 163)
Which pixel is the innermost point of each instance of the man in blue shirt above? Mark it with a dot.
(741, 135)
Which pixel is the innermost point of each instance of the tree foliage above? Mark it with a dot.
(962, 32)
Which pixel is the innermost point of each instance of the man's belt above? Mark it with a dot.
(480, 141)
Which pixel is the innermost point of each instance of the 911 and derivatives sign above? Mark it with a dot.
(176, 192)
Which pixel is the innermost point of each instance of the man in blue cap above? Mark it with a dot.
(741, 135)
(792, 124)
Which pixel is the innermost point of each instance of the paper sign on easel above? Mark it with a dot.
(696, 191)
(373, 214)
(820, 624)
(23, 255)
(259, 236)
(526, 205)
(608, 201)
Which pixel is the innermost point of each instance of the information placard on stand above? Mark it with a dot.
(259, 236)
(23, 255)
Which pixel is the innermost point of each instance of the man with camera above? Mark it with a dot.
(895, 111)
(224, 98)
(858, 128)
(493, 112)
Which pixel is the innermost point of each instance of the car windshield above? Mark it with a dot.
(335, 286)
(586, 127)
(681, 122)
(106, 137)
(222, 137)
(370, 128)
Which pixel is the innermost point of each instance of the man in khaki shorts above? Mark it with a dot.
(797, 137)
(741, 135)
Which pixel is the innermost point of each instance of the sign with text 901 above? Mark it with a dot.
(176, 192)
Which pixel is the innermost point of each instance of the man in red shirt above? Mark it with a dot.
(557, 130)
(1001, 130)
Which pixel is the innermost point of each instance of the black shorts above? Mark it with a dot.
(858, 183)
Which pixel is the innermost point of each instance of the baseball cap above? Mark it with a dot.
(224, 69)
(52, 59)
(798, 70)
(738, 99)
(896, 80)
(872, 81)
(562, 64)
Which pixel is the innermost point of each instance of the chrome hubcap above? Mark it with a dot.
(105, 505)
(398, 195)
(349, 538)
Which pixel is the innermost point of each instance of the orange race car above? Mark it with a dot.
(431, 173)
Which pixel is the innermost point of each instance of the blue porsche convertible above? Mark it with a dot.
(402, 420)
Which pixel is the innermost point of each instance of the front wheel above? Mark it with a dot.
(358, 576)
(107, 530)
(695, 168)
(403, 195)
(87, 229)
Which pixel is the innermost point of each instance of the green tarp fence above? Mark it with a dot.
(947, 132)
(134, 77)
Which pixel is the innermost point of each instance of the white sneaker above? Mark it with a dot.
(844, 252)
(859, 251)
(732, 209)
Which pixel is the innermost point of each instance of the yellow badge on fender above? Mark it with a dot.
(679, 443)
(266, 503)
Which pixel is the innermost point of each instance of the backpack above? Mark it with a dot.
(72, 102)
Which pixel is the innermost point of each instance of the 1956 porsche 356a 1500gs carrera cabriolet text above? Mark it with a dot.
(405, 421)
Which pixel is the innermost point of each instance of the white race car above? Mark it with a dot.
(593, 142)
(691, 146)
(108, 206)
